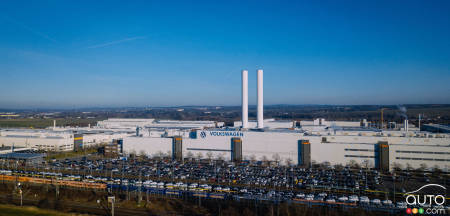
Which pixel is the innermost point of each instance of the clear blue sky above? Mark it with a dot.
(149, 53)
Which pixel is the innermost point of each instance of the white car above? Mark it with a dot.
(353, 198)
(160, 185)
(153, 184)
(330, 200)
(300, 196)
(343, 199)
(387, 202)
(364, 199)
(376, 201)
(323, 194)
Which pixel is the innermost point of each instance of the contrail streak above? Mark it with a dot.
(28, 28)
(114, 42)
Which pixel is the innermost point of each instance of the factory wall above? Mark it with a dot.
(99, 138)
(255, 145)
(340, 153)
(149, 145)
(403, 151)
(43, 143)
(214, 147)
(431, 155)
(124, 123)
(271, 145)
(323, 122)
(366, 138)
(268, 123)
(283, 147)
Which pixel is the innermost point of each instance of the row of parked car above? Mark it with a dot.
(280, 194)
(261, 194)
(228, 172)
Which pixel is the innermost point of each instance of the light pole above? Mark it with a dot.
(21, 194)
(112, 199)
(393, 178)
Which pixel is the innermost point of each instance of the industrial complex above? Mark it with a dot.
(282, 141)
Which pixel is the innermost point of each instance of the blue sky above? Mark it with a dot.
(165, 53)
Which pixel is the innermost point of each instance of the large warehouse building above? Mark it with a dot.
(59, 139)
(297, 147)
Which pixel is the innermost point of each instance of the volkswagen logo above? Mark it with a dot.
(203, 134)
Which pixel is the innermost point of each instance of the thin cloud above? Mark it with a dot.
(114, 42)
(28, 28)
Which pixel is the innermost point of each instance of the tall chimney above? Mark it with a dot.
(54, 124)
(260, 114)
(420, 118)
(244, 99)
(406, 125)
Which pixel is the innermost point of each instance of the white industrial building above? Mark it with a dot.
(303, 143)
(121, 123)
(61, 139)
(37, 139)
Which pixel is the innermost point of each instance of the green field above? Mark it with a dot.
(43, 123)
(71, 154)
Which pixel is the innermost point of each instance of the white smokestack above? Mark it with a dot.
(260, 114)
(406, 125)
(420, 118)
(244, 99)
(54, 124)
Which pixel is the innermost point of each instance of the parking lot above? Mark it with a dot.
(211, 179)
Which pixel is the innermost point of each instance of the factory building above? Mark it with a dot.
(289, 146)
(45, 140)
(120, 123)
(67, 139)
(292, 142)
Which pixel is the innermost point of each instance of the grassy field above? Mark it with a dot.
(10, 210)
(71, 154)
(43, 123)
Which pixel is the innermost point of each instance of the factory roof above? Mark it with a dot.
(350, 128)
(439, 127)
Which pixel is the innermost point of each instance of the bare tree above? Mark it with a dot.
(353, 164)
(142, 154)
(264, 158)
(252, 158)
(209, 155)
(199, 155)
(289, 161)
(397, 166)
(160, 155)
(276, 157)
(436, 170)
(220, 157)
(133, 153)
(190, 155)
(339, 166)
(423, 166)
